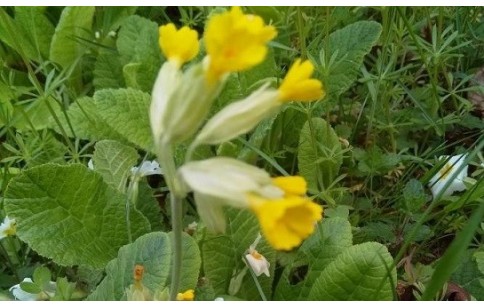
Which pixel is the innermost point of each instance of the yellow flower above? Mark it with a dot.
(235, 42)
(188, 295)
(287, 221)
(285, 214)
(178, 45)
(298, 86)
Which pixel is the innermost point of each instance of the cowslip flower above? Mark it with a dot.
(242, 116)
(256, 261)
(179, 46)
(286, 216)
(8, 227)
(449, 173)
(188, 295)
(22, 295)
(179, 100)
(235, 42)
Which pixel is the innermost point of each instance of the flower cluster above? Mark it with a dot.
(181, 100)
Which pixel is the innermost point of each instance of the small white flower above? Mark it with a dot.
(90, 164)
(219, 299)
(8, 227)
(146, 168)
(97, 35)
(447, 173)
(257, 262)
(21, 295)
(112, 33)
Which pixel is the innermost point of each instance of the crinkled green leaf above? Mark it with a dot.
(69, 214)
(346, 49)
(223, 253)
(138, 46)
(332, 236)
(108, 71)
(38, 28)
(86, 122)
(320, 154)
(154, 252)
(127, 112)
(361, 272)
(113, 161)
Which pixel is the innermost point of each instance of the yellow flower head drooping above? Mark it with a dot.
(287, 221)
(298, 86)
(188, 295)
(178, 45)
(235, 42)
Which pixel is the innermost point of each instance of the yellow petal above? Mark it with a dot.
(188, 295)
(178, 45)
(298, 86)
(235, 42)
(292, 185)
(287, 222)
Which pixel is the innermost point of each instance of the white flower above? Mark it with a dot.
(8, 227)
(257, 262)
(449, 173)
(219, 299)
(146, 168)
(90, 164)
(22, 295)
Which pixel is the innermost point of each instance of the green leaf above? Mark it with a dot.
(222, 254)
(414, 196)
(69, 214)
(113, 161)
(360, 272)
(41, 276)
(86, 122)
(64, 289)
(127, 112)
(67, 44)
(470, 275)
(149, 206)
(38, 28)
(108, 71)
(320, 154)
(30, 287)
(138, 46)
(153, 252)
(35, 115)
(332, 236)
(13, 35)
(342, 54)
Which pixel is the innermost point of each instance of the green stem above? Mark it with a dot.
(165, 157)
(176, 220)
